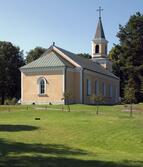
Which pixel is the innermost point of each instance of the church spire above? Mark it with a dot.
(99, 45)
(99, 30)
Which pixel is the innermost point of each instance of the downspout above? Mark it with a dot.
(83, 86)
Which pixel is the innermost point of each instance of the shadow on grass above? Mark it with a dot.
(12, 155)
(57, 162)
(16, 128)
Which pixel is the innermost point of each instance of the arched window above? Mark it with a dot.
(42, 86)
(97, 49)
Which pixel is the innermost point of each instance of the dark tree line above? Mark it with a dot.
(11, 58)
(127, 57)
(34, 54)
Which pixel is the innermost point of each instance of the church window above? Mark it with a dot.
(42, 86)
(97, 49)
(96, 87)
(110, 90)
(103, 89)
(88, 87)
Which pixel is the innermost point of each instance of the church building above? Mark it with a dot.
(59, 71)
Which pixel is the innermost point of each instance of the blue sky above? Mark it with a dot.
(70, 23)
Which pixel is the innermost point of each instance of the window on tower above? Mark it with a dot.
(97, 49)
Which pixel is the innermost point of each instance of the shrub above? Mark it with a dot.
(12, 101)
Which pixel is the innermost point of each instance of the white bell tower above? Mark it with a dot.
(99, 46)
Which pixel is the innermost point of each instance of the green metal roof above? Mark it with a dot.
(51, 59)
(48, 60)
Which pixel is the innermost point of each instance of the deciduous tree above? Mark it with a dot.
(85, 55)
(130, 92)
(98, 100)
(11, 59)
(127, 56)
(34, 54)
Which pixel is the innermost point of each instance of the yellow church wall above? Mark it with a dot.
(54, 87)
(73, 85)
(101, 79)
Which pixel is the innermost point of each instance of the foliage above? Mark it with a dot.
(128, 55)
(67, 97)
(11, 59)
(75, 139)
(130, 91)
(34, 54)
(98, 100)
(12, 101)
(85, 55)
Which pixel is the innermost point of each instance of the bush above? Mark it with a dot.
(12, 101)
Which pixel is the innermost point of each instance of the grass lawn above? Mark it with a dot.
(78, 138)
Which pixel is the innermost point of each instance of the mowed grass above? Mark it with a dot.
(78, 138)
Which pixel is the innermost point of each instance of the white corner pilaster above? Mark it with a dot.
(64, 78)
(22, 87)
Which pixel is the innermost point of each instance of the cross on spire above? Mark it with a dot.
(99, 10)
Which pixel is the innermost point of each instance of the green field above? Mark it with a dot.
(78, 138)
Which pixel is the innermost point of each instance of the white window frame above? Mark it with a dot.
(39, 86)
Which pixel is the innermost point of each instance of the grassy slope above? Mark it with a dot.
(78, 139)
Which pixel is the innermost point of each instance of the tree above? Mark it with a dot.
(11, 59)
(85, 55)
(127, 56)
(67, 96)
(97, 99)
(114, 56)
(130, 91)
(34, 54)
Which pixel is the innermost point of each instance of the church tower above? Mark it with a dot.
(99, 46)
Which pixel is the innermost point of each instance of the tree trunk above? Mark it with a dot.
(69, 107)
(97, 110)
(131, 110)
(2, 99)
